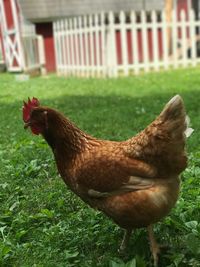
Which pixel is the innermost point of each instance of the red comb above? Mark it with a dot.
(28, 107)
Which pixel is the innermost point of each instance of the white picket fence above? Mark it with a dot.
(122, 44)
(80, 45)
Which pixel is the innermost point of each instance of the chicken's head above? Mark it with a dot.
(34, 116)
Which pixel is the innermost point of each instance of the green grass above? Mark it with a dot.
(42, 223)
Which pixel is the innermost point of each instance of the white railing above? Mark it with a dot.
(111, 45)
(33, 46)
(33, 50)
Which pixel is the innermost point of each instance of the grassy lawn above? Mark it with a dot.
(42, 223)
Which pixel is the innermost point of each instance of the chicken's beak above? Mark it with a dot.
(27, 124)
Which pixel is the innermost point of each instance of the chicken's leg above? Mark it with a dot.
(154, 246)
(125, 240)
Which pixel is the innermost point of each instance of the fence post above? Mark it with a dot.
(165, 43)
(155, 40)
(1, 54)
(134, 41)
(62, 58)
(174, 27)
(123, 31)
(111, 47)
(184, 45)
(63, 50)
(97, 50)
(72, 48)
(145, 44)
(81, 47)
(91, 44)
(192, 37)
(42, 60)
(103, 33)
(76, 48)
(68, 54)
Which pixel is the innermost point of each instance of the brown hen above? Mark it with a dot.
(134, 182)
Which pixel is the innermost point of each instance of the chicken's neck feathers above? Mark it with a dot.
(66, 139)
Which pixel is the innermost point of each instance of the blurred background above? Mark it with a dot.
(98, 38)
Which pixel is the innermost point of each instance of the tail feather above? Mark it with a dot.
(188, 130)
(163, 142)
(175, 117)
(174, 107)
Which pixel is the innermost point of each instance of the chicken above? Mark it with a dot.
(134, 182)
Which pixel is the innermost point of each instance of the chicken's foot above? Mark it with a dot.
(125, 240)
(154, 246)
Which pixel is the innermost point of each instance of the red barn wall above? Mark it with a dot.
(182, 5)
(8, 13)
(46, 30)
